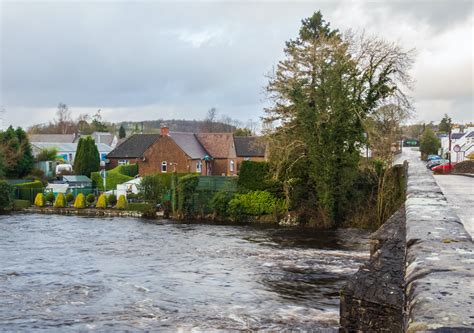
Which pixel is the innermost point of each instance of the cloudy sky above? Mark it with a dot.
(140, 60)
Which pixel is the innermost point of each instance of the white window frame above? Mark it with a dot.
(232, 166)
(164, 167)
(123, 162)
(198, 166)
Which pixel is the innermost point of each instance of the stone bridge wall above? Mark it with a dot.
(420, 277)
(439, 277)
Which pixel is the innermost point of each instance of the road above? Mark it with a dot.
(459, 191)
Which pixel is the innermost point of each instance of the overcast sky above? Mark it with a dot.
(141, 60)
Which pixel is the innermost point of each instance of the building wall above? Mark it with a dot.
(166, 150)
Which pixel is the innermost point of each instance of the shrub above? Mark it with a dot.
(132, 196)
(21, 204)
(50, 197)
(253, 176)
(101, 201)
(122, 203)
(80, 202)
(255, 203)
(186, 187)
(69, 198)
(130, 170)
(137, 206)
(40, 201)
(150, 188)
(60, 201)
(90, 198)
(112, 200)
(5, 195)
(118, 175)
(220, 203)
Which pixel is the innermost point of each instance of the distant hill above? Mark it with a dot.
(176, 125)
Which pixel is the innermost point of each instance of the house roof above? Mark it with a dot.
(102, 137)
(57, 138)
(134, 147)
(470, 135)
(68, 147)
(249, 146)
(218, 145)
(77, 179)
(189, 144)
(456, 136)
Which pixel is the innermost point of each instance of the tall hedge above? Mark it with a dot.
(253, 176)
(87, 158)
(185, 188)
(6, 199)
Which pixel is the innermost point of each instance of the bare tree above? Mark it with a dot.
(63, 116)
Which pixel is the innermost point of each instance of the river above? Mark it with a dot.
(67, 273)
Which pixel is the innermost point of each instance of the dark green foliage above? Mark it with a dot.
(69, 198)
(185, 189)
(141, 207)
(429, 143)
(112, 200)
(150, 188)
(90, 198)
(50, 197)
(87, 158)
(17, 153)
(6, 196)
(255, 203)
(132, 196)
(47, 154)
(253, 176)
(242, 132)
(28, 191)
(122, 133)
(21, 204)
(445, 124)
(220, 203)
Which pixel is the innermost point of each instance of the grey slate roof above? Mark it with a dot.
(57, 138)
(77, 179)
(189, 144)
(67, 147)
(249, 146)
(134, 146)
(470, 135)
(456, 136)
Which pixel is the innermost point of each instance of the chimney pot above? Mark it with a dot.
(164, 131)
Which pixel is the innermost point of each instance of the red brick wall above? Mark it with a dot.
(165, 149)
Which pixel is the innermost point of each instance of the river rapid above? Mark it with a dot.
(67, 273)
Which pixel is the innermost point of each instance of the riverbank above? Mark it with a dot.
(83, 212)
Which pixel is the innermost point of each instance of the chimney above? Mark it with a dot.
(164, 131)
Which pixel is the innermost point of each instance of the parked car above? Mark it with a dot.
(431, 164)
(444, 168)
(433, 157)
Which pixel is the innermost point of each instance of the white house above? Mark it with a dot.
(67, 151)
(462, 144)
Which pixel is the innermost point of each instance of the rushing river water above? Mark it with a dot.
(61, 273)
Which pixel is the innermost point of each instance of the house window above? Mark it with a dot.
(122, 162)
(164, 166)
(198, 166)
(232, 166)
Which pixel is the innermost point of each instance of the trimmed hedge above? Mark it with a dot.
(113, 179)
(253, 176)
(40, 201)
(101, 202)
(141, 207)
(112, 200)
(60, 201)
(122, 203)
(80, 202)
(35, 184)
(21, 204)
(130, 170)
(50, 197)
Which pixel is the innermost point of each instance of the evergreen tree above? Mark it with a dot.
(122, 133)
(322, 93)
(87, 158)
(17, 152)
(429, 143)
(445, 124)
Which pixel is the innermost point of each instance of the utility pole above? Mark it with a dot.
(449, 137)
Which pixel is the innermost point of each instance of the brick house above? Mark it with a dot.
(249, 148)
(203, 153)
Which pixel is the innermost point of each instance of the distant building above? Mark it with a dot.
(67, 151)
(202, 153)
